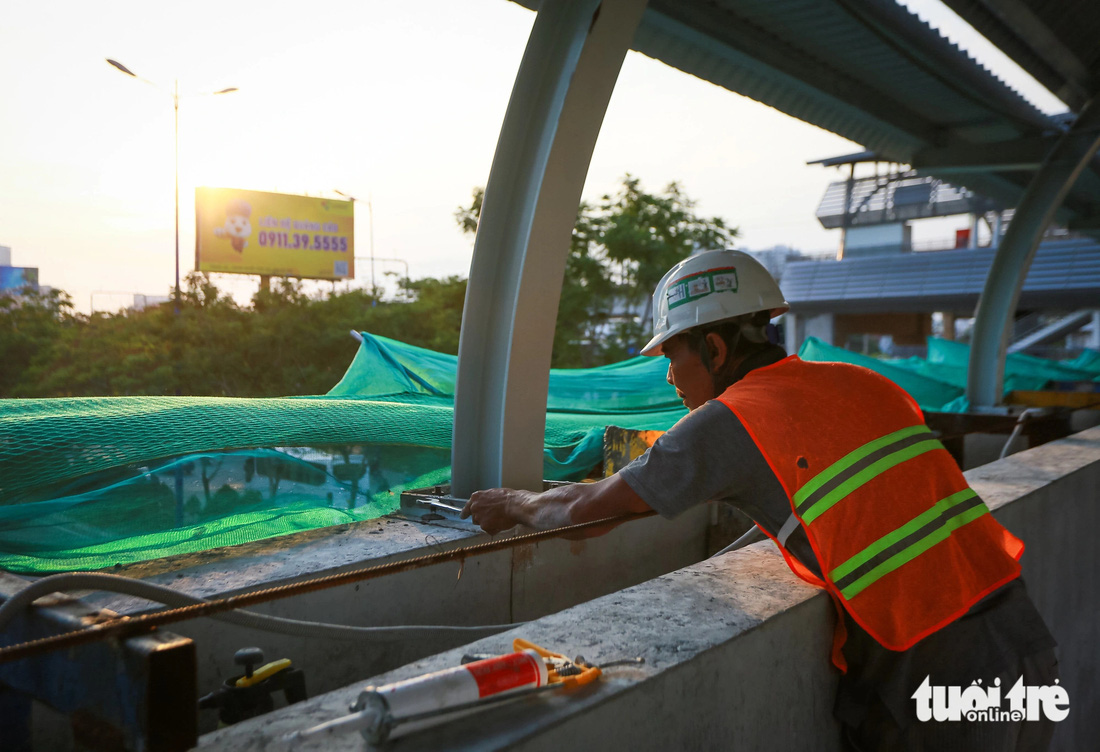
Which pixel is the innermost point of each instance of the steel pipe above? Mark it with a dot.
(1001, 294)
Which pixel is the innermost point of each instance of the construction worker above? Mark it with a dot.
(834, 463)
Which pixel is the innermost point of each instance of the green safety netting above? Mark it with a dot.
(1088, 360)
(1032, 372)
(89, 483)
(938, 383)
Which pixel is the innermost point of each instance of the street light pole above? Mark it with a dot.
(370, 222)
(176, 108)
(396, 261)
(175, 94)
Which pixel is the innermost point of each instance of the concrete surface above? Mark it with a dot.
(688, 626)
(504, 587)
(736, 649)
(1050, 497)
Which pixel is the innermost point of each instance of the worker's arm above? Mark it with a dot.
(498, 509)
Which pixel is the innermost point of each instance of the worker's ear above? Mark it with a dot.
(718, 350)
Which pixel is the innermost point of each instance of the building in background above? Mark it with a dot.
(883, 294)
(15, 280)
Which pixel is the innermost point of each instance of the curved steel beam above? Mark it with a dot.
(997, 304)
(558, 103)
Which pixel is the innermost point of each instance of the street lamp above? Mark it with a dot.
(175, 94)
(370, 217)
(396, 261)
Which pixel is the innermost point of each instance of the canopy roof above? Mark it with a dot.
(1053, 40)
(874, 73)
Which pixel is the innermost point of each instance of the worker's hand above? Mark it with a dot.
(498, 509)
(495, 509)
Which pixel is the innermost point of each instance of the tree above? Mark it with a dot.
(31, 325)
(288, 342)
(644, 234)
(620, 249)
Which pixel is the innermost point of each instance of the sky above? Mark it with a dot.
(396, 104)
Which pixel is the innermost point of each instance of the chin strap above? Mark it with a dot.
(772, 332)
(746, 364)
(756, 338)
(719, 381)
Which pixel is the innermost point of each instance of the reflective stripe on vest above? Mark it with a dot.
(859, 467)
(900, 546)
(907, 542)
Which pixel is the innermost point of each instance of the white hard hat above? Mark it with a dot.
(710, 287)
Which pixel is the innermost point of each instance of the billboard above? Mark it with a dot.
(253, 232)
(14, 278)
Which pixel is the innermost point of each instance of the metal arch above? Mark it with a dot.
(558, 103)
(997, 304)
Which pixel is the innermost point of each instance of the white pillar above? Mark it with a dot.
(558, 102)
(792, 335)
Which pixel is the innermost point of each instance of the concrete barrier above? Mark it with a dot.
(1050, 497)
(736, 648)
(515, 585)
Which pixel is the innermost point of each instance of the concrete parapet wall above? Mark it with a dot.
(520, 584)
(723, 642)
(1050, 497)
(736, 648)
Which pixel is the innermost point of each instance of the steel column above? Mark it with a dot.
(558, 103)
(993, 318)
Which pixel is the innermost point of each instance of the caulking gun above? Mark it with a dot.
(391, 710)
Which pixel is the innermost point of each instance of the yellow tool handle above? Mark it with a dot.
(519, 644)
(588, 673)
(264, 672)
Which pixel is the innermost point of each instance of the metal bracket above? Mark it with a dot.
(435, 505)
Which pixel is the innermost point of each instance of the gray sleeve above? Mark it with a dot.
(708, 455)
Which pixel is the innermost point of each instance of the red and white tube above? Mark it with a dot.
(391, 704)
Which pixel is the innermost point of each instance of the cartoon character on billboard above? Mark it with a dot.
(238, 226)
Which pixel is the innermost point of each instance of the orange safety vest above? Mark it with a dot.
(904, 544)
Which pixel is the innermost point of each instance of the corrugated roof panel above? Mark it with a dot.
(881, 45)
(693, 51)
(854, 40)
(870, 71)
(1053, 40)
(1063, 273)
